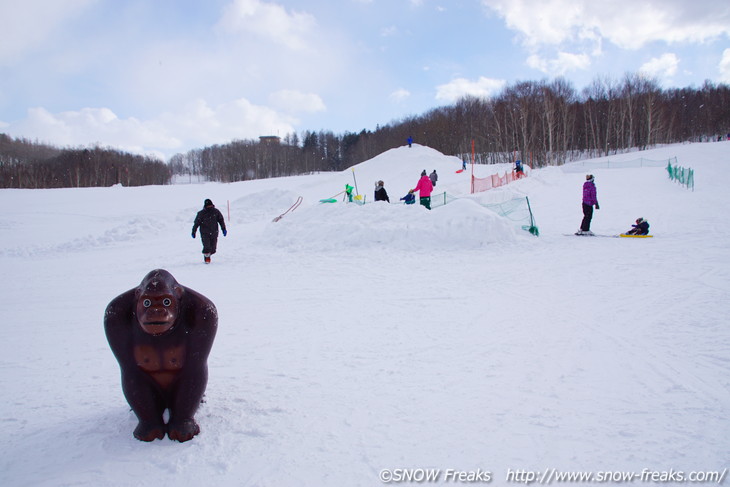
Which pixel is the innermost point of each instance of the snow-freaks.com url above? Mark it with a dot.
(548, 476)
(554, 476)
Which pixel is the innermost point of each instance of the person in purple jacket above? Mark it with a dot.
(589, 201)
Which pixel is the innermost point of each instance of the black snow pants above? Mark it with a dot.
(585, 225)
(210, 241)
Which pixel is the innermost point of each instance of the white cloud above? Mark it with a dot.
(459, 87)
(269, 21)
(388, 31)
(258, 53)
(239, 119)
(541, 22)
(626, 23)
(293, 101)
(725, 66)
(399, 95)
(197, 123)
(45, 17)
(92, 126)
(560, 65)
(664, 66)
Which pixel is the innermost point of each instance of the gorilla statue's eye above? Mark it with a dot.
(167, 301)
(147, 303)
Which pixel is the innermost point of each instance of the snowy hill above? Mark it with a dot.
(356, 339)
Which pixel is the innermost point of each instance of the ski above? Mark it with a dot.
(589, 235)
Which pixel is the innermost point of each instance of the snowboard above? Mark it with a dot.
(610, 236)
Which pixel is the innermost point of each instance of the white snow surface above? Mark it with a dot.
(354, 339)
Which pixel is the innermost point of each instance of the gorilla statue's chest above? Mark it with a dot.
(161, 364)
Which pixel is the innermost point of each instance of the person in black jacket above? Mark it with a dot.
(208, 220)
(380, 193)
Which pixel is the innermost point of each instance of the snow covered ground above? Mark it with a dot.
(358, 340)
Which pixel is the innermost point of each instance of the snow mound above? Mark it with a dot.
(262, 204)
(462, 224)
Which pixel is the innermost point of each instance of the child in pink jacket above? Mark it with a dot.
(425, 188)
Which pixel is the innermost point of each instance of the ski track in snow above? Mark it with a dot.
(354, 339)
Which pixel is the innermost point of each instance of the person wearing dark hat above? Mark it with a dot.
(641, 228)
(380, 193)
(590, 199)
(208, 220)
(424, 188)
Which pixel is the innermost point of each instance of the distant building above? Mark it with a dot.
(270, 139)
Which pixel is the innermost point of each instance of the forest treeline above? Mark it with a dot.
(540, 122)
(28, 164)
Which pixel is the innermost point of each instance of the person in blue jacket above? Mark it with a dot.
(410, 198)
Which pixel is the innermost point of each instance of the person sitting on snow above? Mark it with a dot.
(410, 198)
(641, 228)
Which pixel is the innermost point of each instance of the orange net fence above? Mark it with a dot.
(494, 181)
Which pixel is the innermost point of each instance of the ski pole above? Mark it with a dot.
(355, 179)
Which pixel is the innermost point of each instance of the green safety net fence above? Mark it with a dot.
(517, 210)
(684, 176)
(580, 166)
(440, 199)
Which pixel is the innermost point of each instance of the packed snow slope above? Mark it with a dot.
(356, 339)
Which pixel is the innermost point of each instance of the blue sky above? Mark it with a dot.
(166, 76)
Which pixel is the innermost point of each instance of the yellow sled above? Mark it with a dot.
(636, 236)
